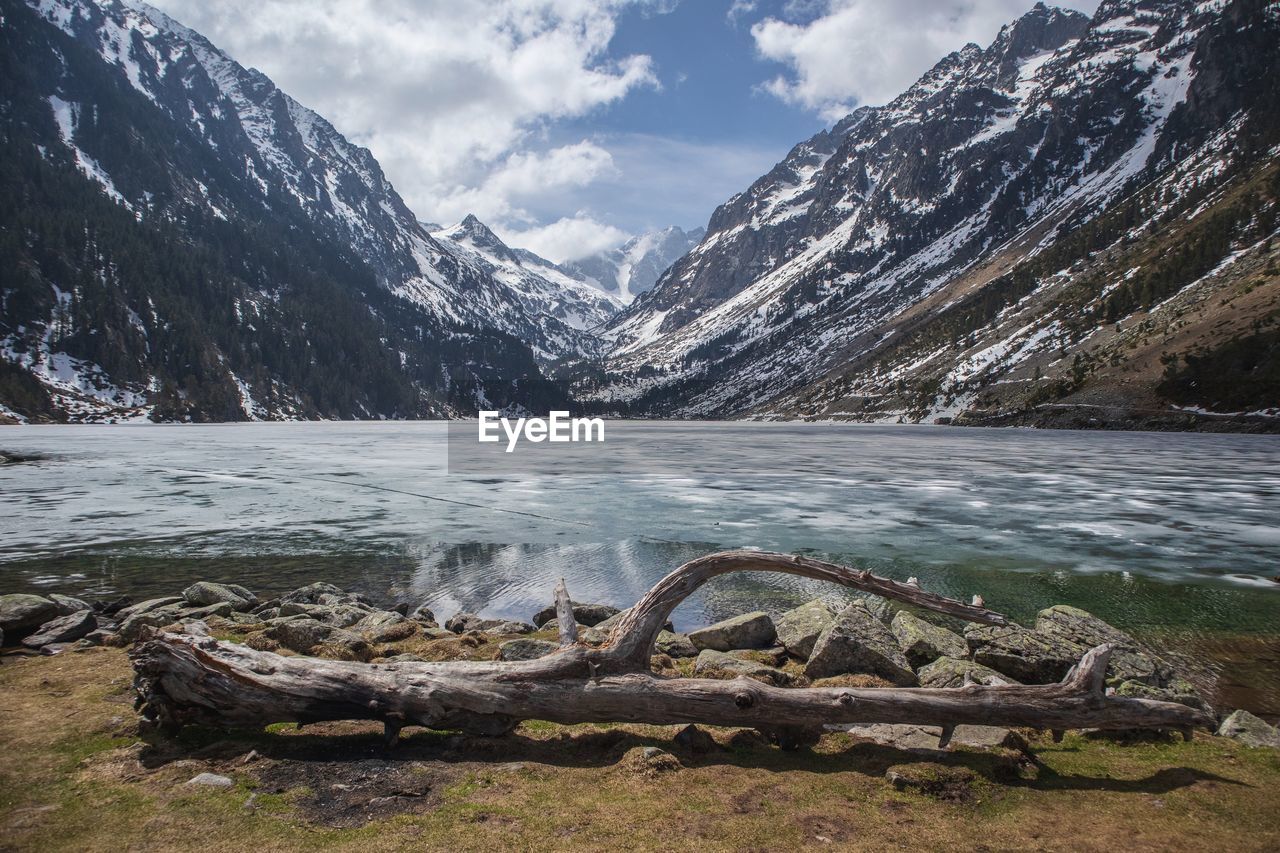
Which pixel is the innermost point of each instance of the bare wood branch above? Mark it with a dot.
(185, 679)
(567, 622)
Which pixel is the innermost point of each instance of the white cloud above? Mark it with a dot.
(452, 96)
(738, 10)
(567, 239)
(868, 51)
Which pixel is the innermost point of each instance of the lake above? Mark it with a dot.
(1173, 537)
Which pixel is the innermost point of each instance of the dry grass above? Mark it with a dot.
(76, 776)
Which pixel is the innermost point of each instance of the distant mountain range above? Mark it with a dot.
(1072, 226)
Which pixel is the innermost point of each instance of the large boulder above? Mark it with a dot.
(1027, 656)
(20, 612)
(1177, 691)
(69, 604)
(131, 628)
(219, 608)
(1130, 660)
(386, 626)
(923, 642)
(307, 636)
(1250, 730)
(339, 615)
(952, 672)
(858, 642)
(584, 614)
(64, 629)
(800, 628)
(748, 631)
(675, 645)
(711, 663)
(205, 593)
(525, 648)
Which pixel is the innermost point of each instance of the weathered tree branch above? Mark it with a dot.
(184, 679)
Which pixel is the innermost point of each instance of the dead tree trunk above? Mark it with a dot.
(184, 679)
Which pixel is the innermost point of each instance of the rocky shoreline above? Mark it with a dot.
(869, 642)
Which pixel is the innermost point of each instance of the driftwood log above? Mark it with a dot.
(186, 679)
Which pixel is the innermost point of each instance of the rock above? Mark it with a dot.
(585, 614)
(111, 608)
(68, 604)
(923, 642)
(306, 636)
(212, 780)
(896, 735)
(386, 626)
(131, 627)
(461, 623)
(1178, 691)
(951, 672)
(675, 645)
(96, 637)
(712, 662)
(525, 649)
(859, 642)
(800, 628)
(988, 737)
(607, 625)
(882, 608)
(1250, 730)
(423, 613)
(748, 631)
(205, 593)
(311, 594)
(1130, 660)
(695, 740)
(774, 656)
(339, 615)
(1027, 656)
(145, 606)
(221, 608)
(20, 612)
(64, 629)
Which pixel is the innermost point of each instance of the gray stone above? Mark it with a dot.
(206, 593)
(1177, 691)
(1250, 730)
(339, 615)
(923, 642)
(525, 649)
(711, 661)
(211, 780)
(748, 631)
(896, 735)
(858, 642)
(64, 629)
(695, 740)
(675, 645)
(131, 628)
(460, 623)
(1028, 656)
(69, 604)
(951, 672)
(312, 593)
(1130, 660)
(585, 614)
(800, 628)
(300, 635)
(145, 606)
(20, 612)
(386, 626)
(423, 613)
(221, 608)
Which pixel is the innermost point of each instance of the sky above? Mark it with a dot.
(570, 125)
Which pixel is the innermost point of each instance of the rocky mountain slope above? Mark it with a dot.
(1071, 226)
(635, 266)
(239, 257)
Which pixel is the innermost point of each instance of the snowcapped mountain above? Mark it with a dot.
(1033, 232)
(189, 144)
(567, 307)
(634, 267)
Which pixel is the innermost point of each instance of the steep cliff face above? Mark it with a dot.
(999, 218)
(634, 267)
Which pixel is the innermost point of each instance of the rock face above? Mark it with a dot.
(748, 631)
(800, 628)
(951, 672)
(923, 642)
(64, 629)
(711, 661)
(859, 642)
(1027, 656)
(1250, 730)
(1130, 661)
(584, 614)
(20, 612)
(525, 648)
(205, 593)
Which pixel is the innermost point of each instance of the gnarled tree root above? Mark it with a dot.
(186, 679)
